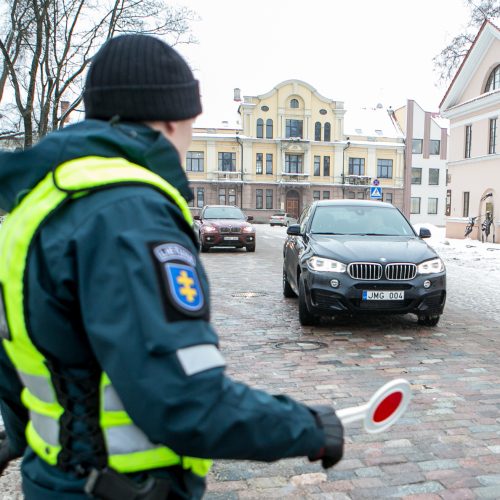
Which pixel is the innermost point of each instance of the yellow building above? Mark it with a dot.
(295, 146)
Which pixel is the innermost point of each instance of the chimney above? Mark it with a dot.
(237, 95)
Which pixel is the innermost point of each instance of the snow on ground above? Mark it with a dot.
(464, 252)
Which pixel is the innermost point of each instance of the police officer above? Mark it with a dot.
(112, 384)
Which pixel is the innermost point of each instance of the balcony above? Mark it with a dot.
(294, 178)
(225, 176)
(357, 180)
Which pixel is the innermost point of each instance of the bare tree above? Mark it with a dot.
(48, 44)
(449, 59)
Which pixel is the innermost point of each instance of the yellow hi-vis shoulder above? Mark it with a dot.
(128, 448)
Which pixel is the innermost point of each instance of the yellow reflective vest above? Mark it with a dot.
(128, 448)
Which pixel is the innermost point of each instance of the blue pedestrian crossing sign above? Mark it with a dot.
(376, 192)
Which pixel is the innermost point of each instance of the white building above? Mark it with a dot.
(426, 152)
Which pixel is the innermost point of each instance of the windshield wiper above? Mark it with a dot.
(332, 234)
(376, 234)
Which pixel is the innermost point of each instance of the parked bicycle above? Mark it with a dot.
(470, 226)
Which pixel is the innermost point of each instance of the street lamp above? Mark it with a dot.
(343, 167)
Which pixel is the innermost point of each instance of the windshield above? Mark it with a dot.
(223, 213)
(360, 220)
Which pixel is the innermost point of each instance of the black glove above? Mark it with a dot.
(332, 451)
(6, 454)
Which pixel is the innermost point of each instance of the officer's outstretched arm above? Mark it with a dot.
(145, 305)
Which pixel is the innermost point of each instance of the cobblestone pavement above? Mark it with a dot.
(447, 445)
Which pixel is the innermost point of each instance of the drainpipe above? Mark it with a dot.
(238, 140)
(343, 168)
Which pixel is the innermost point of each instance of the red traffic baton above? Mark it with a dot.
(384, 408)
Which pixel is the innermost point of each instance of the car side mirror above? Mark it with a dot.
(293, 230)
(424, 233)
(196, 217)
(250, 217)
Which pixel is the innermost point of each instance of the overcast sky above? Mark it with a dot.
(359, 51)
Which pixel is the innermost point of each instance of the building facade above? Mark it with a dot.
(426, 152)
(472, 104)
(295, 146)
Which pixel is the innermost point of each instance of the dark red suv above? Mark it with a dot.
(225, 225)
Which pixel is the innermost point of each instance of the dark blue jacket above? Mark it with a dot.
(95, 296)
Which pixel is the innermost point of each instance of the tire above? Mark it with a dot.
(204, 248)
(287, 289)
(429, 320)
(306, 318)
(250, 248)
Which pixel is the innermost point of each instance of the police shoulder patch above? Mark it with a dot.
(180, 279)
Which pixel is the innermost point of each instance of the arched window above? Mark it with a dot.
(317, 131)
(260, 128)
(327, 133)
(294, 103)
(269, 129)
(493, 82)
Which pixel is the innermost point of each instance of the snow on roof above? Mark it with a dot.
(371, 122)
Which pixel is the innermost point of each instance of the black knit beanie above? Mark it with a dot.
(140, 78)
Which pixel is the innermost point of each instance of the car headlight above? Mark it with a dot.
(248, 229)
(209, 229)
(328, 265)
(431, 266)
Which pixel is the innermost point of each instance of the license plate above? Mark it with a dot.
(383, 295)
(230, 238)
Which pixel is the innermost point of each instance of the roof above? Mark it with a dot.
(371, 122)
(471, 61)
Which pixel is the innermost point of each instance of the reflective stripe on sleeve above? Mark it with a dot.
(199, 358)
(112, 401)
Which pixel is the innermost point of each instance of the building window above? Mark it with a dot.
(434, 147)
(294, 128)
(326, 166)
(269, 198)
(259, 202)
(293, 164)
(465, 210)
(294, 103)
(227, 162)
(468, 140)
(260, 128)
(326, 195)
(316, 195)
(448, 202)
(269, 164)
(195, 161)
(327, 132)
(269, 129)
(416, 175)
(415, 206)
(317, 165)
(360, 195)
(433, 176)
(493, 82)
(258, 163)
(317, 131)
(388, 197)
(492, 147)
(416, 146)
(351, 195)
(222, 196)
(384, 169)
(356, 166)
(432, 206)
(200, 197)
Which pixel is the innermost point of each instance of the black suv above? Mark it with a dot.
(350, 256)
